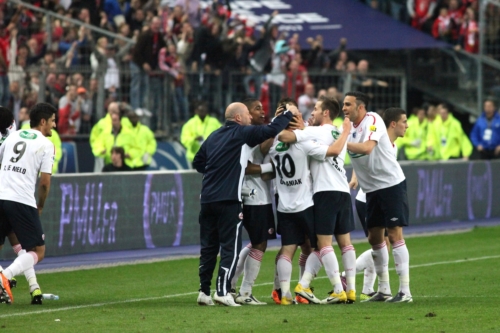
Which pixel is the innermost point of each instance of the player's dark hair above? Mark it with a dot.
(392, 114)
(120, 151)
(287, 100)
(361, 98)
(6, 119)
(330, 104)
(41, 111)
(249, 101)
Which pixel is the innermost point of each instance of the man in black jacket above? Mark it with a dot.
(222, 159)
(144, 63)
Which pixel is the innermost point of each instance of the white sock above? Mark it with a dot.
(331, 265)
(30, 272)
(313, 265)
(276, 276)
(252, 268)
(381, 261)
(285, 274)
(402, 262)
(240, 265)
(22, 263)
(364, 261)
(302, 264)
(349, 262)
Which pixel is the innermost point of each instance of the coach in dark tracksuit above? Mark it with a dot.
(222, 159)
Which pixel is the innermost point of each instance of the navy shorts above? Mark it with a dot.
(259, 222)
(295, 228)
(333, 213)
(388, 207)
(24, 221)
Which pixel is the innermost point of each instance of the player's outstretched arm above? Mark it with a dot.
(287, 136)
(364, 148)
(335, 149)
(257, 169)
(254, 135)
(43, 191)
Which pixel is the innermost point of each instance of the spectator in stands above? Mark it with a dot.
(262, 53)
(469, 32)
(144, 63)
(307, 101)
(414, 141)
(442, 27)
(143, 147)
(296, 80)
(169, 62)
(363, 80)
(333, 92)
(485, 135)
(185, 44)
(197, 129)
(420, 12)
(317, 58)
(117, 161)
(276, 78)
(70, 107)
(86, 108)
(118, 135)
(4, 69)
(137, 21)
(192, 8)
(454, 143)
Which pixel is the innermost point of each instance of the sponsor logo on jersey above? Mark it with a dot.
(27, 135)
(335, 134)
(373, 128)
(353, 155)
(282, 147)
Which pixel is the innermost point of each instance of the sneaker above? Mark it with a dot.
(300, 300)
(204, 299)
(334, 298)
(351, 296)
(364, 297)
(248, 300)
(233, 293)
(227, 300)
(400, 298)
(5, 292)
(13, 283)
(36, 297)
(378, 297)
(306, 293)
(276, 296)
(287, 301)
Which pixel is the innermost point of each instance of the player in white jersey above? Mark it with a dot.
(258, 216)
(381, 177)
(8, 126)
(396, 124)
(295, 207)
(25, 154)
(332, 201)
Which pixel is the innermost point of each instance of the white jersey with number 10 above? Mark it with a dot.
(24, 154)
(293, 178)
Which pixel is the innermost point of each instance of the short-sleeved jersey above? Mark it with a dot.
(10, 130)
(262, 195)
(379, 169)
(24, 154)
(328, 173)
(361, 196)
(293, 178)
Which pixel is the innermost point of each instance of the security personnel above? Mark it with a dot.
(413, 142)
(222, 160)
(144, 145)
(454, 143)
(485, 135)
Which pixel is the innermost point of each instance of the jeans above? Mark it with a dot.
(138, 86)
(257, 80)
(180, 105)
(4, 90)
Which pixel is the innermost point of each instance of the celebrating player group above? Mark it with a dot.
(304, 166)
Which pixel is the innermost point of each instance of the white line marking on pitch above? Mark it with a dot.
(194, 293)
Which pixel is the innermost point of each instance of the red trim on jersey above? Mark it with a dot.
(356, 125)
(374, 119)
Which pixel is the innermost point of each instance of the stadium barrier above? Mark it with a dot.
(91, 213)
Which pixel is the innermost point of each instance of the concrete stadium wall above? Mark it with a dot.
(91, 213)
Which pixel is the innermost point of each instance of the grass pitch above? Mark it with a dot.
(454, 282)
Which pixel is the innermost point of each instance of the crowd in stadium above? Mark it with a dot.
(172, 39)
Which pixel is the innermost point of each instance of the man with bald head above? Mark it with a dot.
(222, 159)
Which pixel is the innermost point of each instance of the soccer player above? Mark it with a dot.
(382, 178)
(396, 123)
(295, 206)
(8, 126)
(222, 159)
(258, 216)
(332, 200)
(24, 154)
